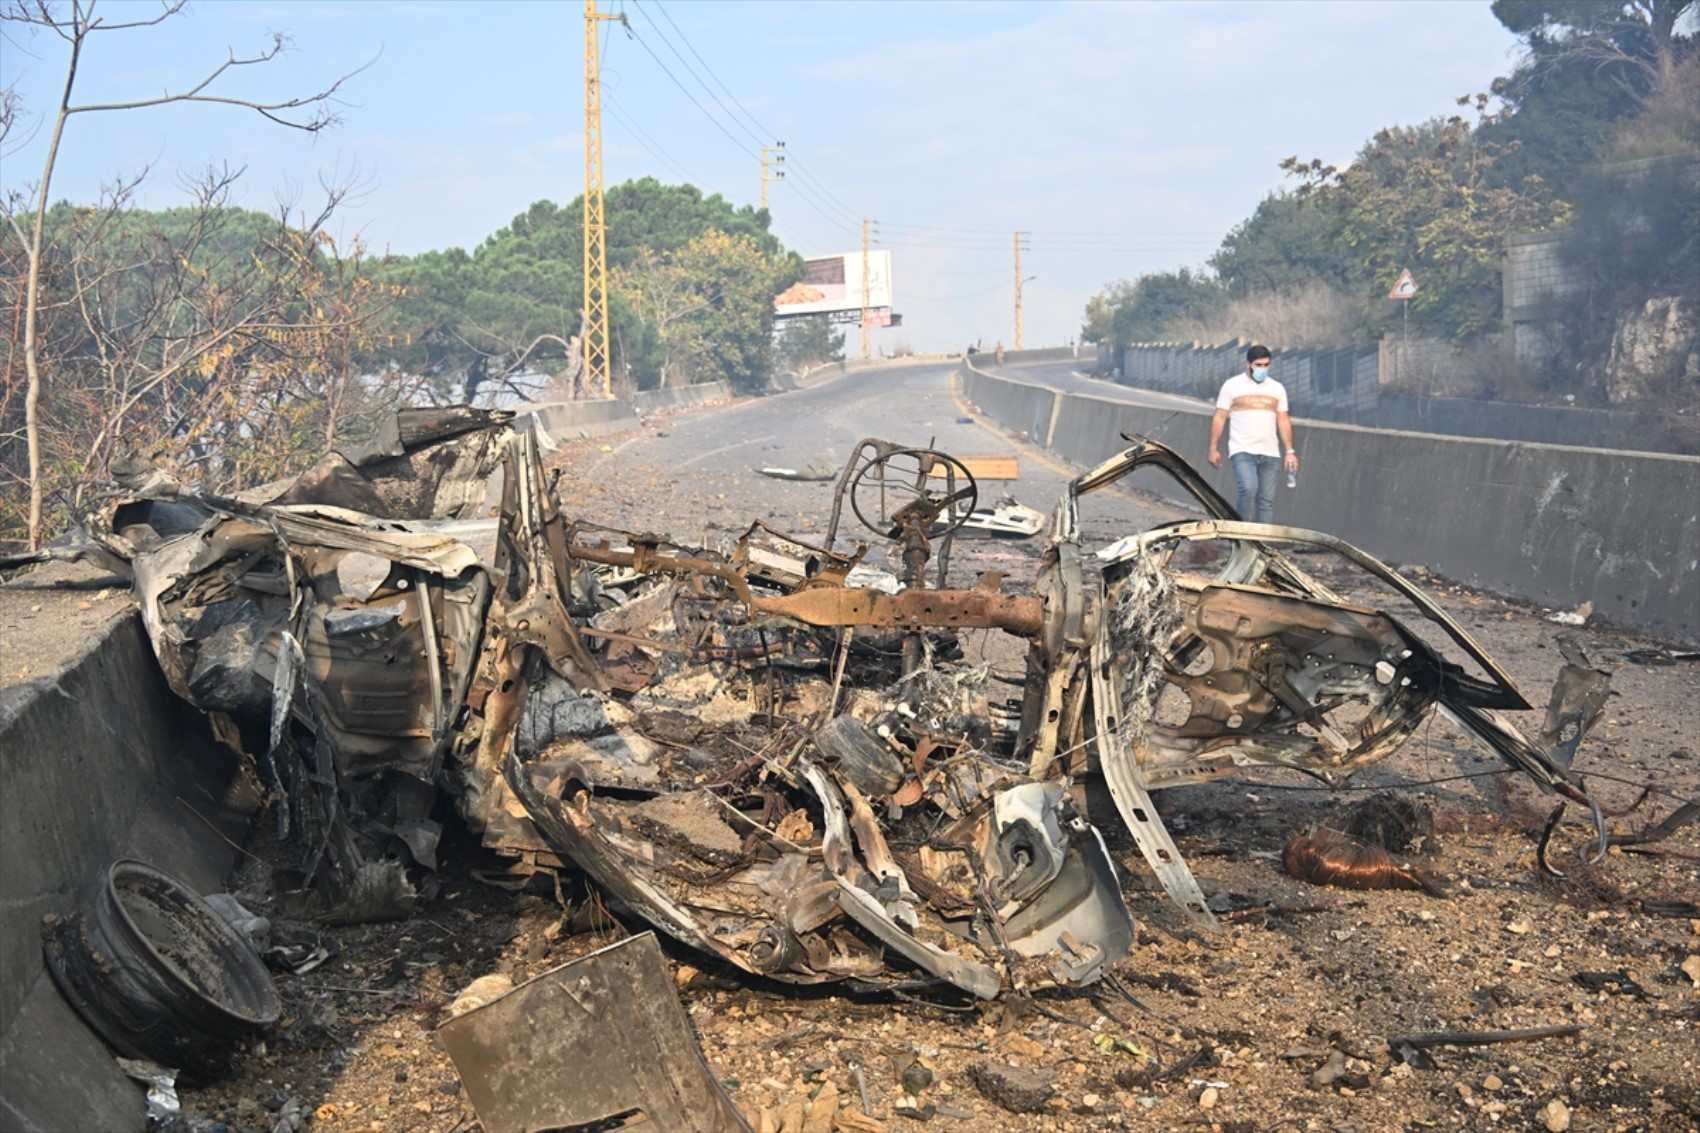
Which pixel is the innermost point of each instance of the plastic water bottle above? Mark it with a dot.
(1292, 478)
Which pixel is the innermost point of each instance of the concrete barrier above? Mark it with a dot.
(1343, 384)
(556, 421)
(680, 397)
(1547, 524)
(829, 370)
(1629, 430)
(100, 760)
(1045, 354)
(1024, 408)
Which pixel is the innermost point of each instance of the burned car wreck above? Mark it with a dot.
(773, 751)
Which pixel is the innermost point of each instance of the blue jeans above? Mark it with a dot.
(1254, 475)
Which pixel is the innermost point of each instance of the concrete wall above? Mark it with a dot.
(850, 365)
(677, 397)
(556, 421)
(1419, 363)
(1023, 408)
(1533, 273)
(1316, 388)
(99, 760)
(1500, 420)
(1048, 354)
(1551, 525)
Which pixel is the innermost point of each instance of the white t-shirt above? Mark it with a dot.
(1252, 407)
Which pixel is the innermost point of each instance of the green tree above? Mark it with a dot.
(1287, 245)
(515, 301)
(708, 306)
(806, 341)
(1423, 199)
(1159, 301)
(1099, 325)
(1636, 44)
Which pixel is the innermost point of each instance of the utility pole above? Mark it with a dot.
(595, 228)
(777, 174)
(1019, 236)
(867, 331)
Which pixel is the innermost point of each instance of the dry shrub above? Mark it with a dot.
(1313, 315)
(1669, 121)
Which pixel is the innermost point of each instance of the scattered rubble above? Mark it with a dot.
(767, 750)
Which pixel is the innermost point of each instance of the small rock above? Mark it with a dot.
(1555, 1115)
(1207, 1099)
(1329, 1072)
(1520, 928)
(1492, 1083)
(1023, 1047)
(1014, 1088)
(479, 992)
(1691, 969)
(917, 1076)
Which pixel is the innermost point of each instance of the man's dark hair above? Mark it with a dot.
(1257, 354)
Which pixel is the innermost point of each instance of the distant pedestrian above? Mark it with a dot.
(1253, 406)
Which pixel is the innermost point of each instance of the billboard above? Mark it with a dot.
(833, 284)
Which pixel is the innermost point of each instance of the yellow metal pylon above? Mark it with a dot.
(595, 227)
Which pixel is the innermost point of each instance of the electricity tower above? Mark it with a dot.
(595, 227)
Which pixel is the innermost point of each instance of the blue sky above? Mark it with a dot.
(1123, 137)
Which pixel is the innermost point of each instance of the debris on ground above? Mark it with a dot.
(799, 764)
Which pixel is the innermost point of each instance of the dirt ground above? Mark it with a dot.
(1281, 1021)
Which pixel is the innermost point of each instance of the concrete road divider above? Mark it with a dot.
(557, 421)
(1553, 525)
(679, 397)
(100, 760)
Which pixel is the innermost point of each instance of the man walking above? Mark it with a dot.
(1254, 408)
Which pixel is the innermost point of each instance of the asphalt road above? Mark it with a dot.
(693, 475)
(1070, 377)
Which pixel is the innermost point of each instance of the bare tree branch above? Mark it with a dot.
(74, 25)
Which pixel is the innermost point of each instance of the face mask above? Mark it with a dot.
(1259, 373)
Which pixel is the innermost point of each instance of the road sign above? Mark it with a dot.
(1405, 288)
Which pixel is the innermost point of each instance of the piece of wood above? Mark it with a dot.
(1481, 1038)
(987, 467)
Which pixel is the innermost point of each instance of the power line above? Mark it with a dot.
(910, 297)
(821, 186)
(761, 133)
(643, 139)
(718, 125)
(722, 128)
(808, 199)
(761, 137)
(813, 192)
